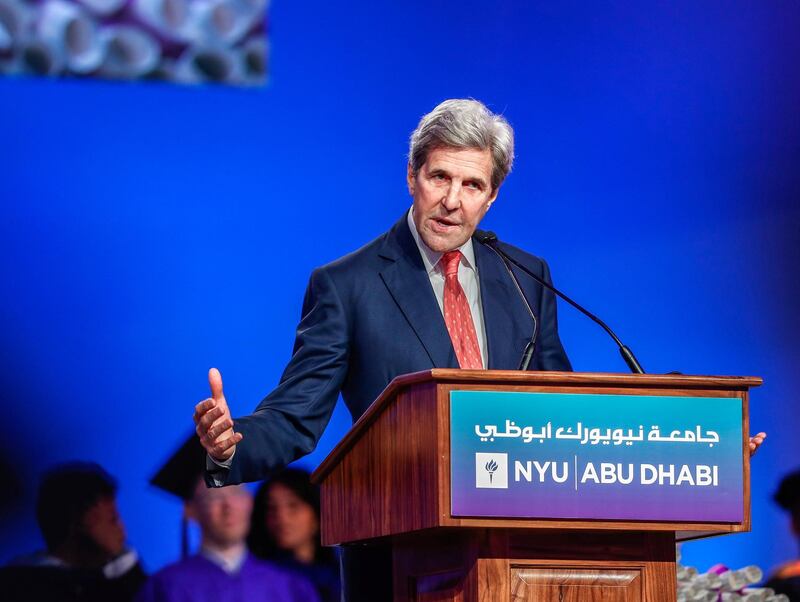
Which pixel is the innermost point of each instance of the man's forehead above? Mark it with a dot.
(475, 160)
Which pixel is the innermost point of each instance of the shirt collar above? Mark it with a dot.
(430, 257)
(229, 565)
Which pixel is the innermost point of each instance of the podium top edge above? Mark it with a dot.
(602, 378)
(517, 377)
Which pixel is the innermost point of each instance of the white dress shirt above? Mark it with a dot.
(467, 277)
(230, 563)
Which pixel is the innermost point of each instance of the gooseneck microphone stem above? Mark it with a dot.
(530, 348)
(490, 240)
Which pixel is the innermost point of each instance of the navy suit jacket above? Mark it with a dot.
(371, 316)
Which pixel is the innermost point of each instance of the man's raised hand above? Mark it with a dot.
(755, 442)
(213, 421)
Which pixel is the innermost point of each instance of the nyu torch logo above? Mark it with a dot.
(491, 471)
(491, 468)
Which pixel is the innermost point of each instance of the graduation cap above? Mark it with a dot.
(179, 476)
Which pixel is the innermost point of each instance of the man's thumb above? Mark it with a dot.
(215, 382)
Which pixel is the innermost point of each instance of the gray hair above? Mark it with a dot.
(464, 124)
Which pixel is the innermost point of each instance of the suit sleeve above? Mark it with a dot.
(550, 354)
(289, 421)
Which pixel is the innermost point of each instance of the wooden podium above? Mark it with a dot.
(389, 480)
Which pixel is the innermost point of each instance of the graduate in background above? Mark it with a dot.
(285, 528)
(85, 557)
(786, 579)
(222, 570)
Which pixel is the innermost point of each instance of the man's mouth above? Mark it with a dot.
(443, 224)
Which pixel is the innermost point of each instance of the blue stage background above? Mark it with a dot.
(151, 231)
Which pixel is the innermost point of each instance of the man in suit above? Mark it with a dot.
(426, 294)
(383, 310)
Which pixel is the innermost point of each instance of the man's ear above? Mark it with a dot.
(410, 179)
(492, 198)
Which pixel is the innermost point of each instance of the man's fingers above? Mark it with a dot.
(218, 450)
(201, 408)
(213, 423)
(215, 382)
(210, 442)
(756, 441)
(219, 428)
(212, 431)
(206, 420)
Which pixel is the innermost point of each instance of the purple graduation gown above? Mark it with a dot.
(198, 579)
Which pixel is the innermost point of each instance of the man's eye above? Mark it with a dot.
(438, 176)
(474, 185)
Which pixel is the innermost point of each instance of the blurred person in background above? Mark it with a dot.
(86, 557)
(223, 571)
(285, 528)
(786, 580)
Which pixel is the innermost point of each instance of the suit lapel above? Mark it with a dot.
(505, 317)
(409, 285)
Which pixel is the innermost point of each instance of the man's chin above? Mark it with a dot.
(229, 538)
(442, 243)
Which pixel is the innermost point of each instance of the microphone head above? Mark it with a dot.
(485, 237)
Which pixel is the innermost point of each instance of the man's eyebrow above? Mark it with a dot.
(479, 180)
(442, 170)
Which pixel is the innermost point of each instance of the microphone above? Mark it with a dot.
(527, 355)
(489, 239)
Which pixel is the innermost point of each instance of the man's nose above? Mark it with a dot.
(452, 199)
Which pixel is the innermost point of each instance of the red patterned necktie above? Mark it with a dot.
(457, 315)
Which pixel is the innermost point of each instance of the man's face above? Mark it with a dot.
(452, 192)
(103, 526)
(222, 513)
